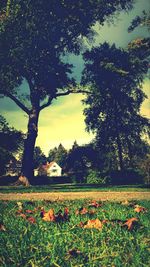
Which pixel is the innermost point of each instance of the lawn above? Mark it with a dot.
(72, 188)
(74, 240)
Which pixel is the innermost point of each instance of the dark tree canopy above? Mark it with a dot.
(11, 142)
(58, 154)
(33, 39)
(143, 20)
(80, 158)
(39, 157)
(113, 110)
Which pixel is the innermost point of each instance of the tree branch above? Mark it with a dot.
(68, 92)
(46, 104)
(72, 92)
(17, 101)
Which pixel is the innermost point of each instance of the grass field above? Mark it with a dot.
(72, 188)
(29, 241)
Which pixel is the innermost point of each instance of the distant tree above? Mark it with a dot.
(52, 154)
(112, 111)
(80, 159)
(11, 142)
(34, 39)
(39, 157)
(75, 145)
(59, 155)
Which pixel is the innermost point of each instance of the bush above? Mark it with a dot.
(45, 180)
(144, 168)
(95, 177)
(77, 177)
(126, 177)
(6, 180)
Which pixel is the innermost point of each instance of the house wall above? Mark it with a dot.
(54, 171)
(36, 172)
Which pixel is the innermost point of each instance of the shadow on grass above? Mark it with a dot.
(69, 187)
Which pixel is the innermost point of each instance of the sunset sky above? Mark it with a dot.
(63, 121)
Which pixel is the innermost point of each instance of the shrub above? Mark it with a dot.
(126, 177)
(95, 177)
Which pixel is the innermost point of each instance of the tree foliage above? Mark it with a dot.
(58, 154)
(113, 108)
(80, 159)
(11, 142)
(39, 157)
(143, 21)
(34, 39)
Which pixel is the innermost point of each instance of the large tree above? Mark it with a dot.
(33, 40)
(113, 109)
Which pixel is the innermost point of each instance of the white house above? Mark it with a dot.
(49, 169)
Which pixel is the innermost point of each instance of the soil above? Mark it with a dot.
(53, 196)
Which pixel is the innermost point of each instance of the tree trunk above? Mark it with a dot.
(27, 171)
(130, 154)
(121, 165)
(118, 141)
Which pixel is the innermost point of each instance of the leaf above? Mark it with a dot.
(31, 220)
(128, 203)
(81, 224)
(49, 216)
(97, 224)
(66, 214)
(18, 212)
(125, 203)
(29, 211)
(105, 221)
(42, 212)
(81, 211)
(22, 215)
(91, 212)
(74, 252)
(139, 209)
(58, 217)
(95, 204)
(2, 227)
(130, 223)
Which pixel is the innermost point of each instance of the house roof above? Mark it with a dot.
(49, 164)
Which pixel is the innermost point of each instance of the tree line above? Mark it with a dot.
(89, 163)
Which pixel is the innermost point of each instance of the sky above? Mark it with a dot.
(63, 122)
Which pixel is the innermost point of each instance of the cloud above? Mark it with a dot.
(63, 124)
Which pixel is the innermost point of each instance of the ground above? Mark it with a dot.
(112, 196)
(76, 233)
